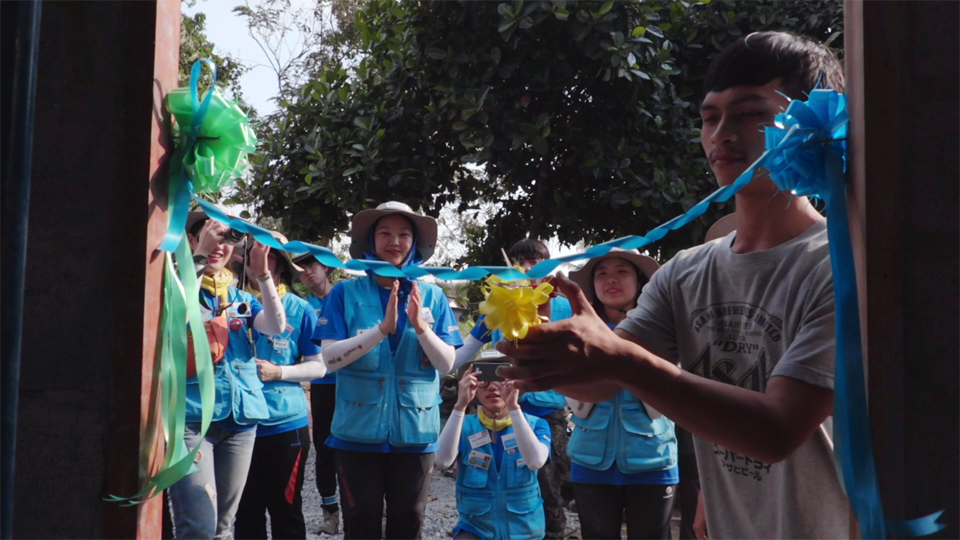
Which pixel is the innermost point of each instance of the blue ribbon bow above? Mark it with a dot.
(809, 158)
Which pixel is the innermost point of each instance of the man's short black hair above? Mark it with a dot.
(307, 259)
(755, 60)
(529, 250)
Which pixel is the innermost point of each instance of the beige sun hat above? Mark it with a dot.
(584, 276)
(723, 227)
(295, 269)
(364, 220)
(199, 215)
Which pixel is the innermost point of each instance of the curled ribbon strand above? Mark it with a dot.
(180, 305)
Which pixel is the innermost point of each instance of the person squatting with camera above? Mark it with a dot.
(499, 449)
(554, 476)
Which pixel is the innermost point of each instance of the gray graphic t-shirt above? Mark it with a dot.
(741, 319)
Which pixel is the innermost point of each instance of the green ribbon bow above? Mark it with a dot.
(219, 152)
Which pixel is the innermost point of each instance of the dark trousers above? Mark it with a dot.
(554, 474)
(274, 485)
(602, 509)
(687, 492)
(323, 399)
(367, 478)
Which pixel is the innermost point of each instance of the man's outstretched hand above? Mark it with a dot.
(577, 356)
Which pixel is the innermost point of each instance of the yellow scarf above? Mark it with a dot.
(492, 423)
(281, 290)
(218, 284)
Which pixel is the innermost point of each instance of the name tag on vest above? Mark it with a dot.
(479, 439)
(281, 344)
(479, 460)
(509, 441)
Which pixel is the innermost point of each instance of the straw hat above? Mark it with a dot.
(295, 269)
(364, 220)
(199, 215)
(584, 276)
(723, 226)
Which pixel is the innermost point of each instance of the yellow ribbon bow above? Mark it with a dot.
(511, 307)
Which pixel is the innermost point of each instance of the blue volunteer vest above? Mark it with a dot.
(549, 399)
(286, 400)
(499, 502)
(238, 389)
(384, 395)
(317, 304)
(620, 430)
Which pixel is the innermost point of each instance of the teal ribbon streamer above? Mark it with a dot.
(810, 139)
(181, 187)
(541, 270)
(180, 305)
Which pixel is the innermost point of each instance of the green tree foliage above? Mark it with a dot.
(299, 41)
(297, 44)
(195, 45)
(576, 118)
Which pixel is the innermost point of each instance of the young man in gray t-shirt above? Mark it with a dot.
(749, 318)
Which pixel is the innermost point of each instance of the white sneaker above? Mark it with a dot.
(330, 524)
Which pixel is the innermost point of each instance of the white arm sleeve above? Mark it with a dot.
(534, 452)
(312, 367)
(470, 347)
(273, 319)
(440, 354)
(449, 441)
(340, 353)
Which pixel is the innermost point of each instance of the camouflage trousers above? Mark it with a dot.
(555, 474)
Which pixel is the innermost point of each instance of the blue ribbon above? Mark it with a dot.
(810, 160)
(541, 270)
(181, 187)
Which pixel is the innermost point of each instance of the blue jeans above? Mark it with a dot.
(205, 502)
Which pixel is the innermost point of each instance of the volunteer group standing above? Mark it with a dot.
(629, 349)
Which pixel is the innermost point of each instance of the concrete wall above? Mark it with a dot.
(86, 296)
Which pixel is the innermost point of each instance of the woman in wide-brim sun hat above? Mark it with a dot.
(283, 438)
(230, 316)
(623, 453)
(389, 340)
